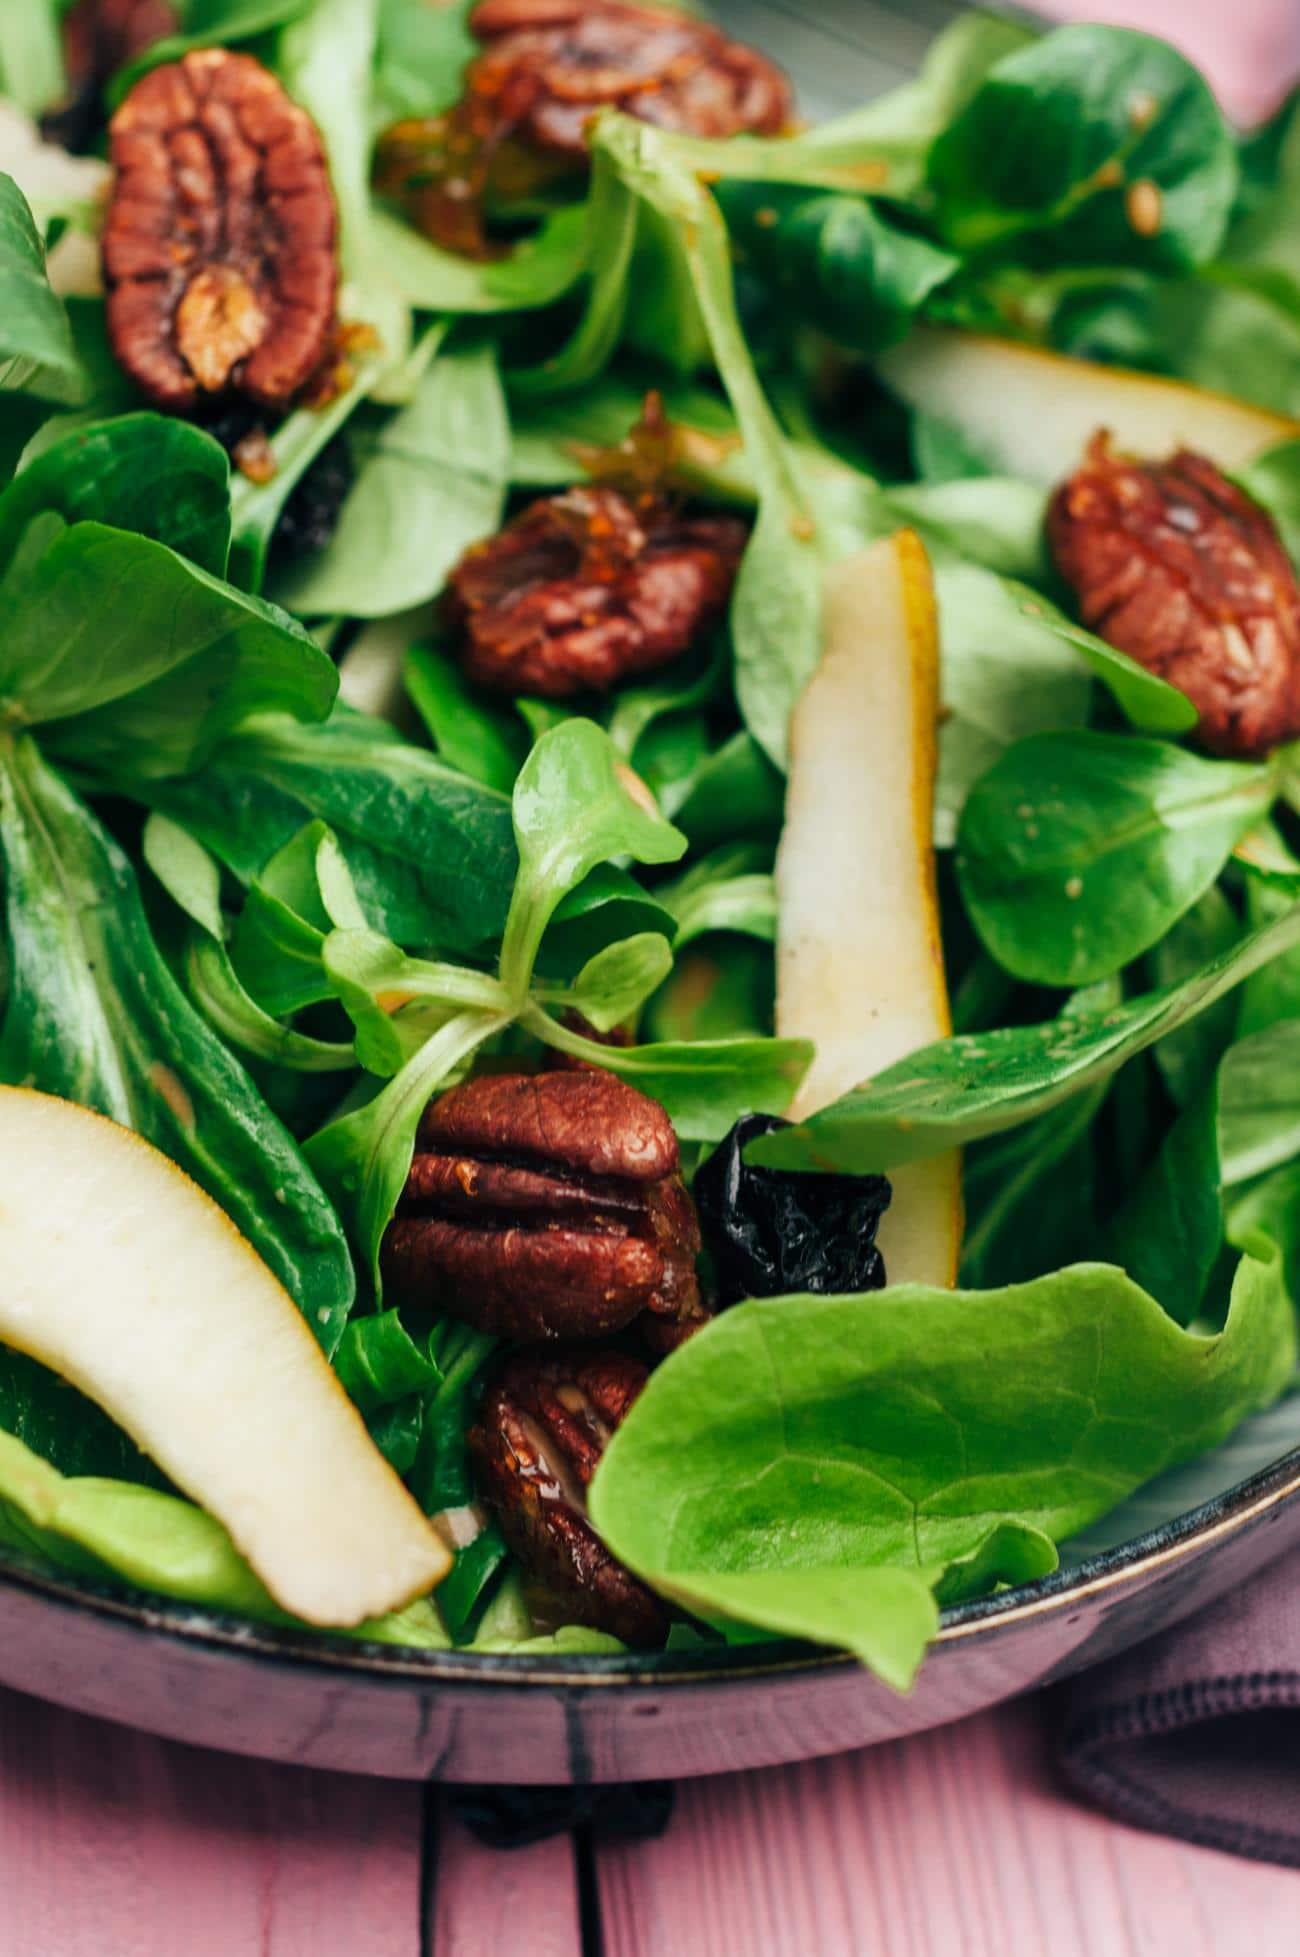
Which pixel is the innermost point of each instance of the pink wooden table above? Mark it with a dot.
(954, 1844)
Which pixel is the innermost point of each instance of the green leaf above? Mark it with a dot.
(144, 472)
(1029, 1195)
(835, 261)
(154, 1541)
(980, 1083)
(1149, 702)
(363, 1158)
(1077, 852)
(193, 880)
(729, 890)
(712, 996)
(396, 1002)
(432, 854)
(1059, 132)
(1273, 479)
(575, 806)
(1188, 1058)
(93, 1014)
(1169, 1232)
(801, 1447)
(31, 59)
(1259, 1101)
(995, 521)
(480, 740)
(776, 608)
(735, 792)
(616, 982)
(379, 1362)
(57, 1422)
(36, 351)
(434, 483)
(705, 1085)
(137, 654)
(1003, 675)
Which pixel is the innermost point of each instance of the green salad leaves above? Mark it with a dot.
(274, 871)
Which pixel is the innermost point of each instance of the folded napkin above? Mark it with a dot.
(1197, 1733)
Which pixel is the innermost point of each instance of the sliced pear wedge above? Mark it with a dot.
(859, 959)
(120, 1274)
(1030, 412)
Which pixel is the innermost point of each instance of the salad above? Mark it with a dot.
(649, 813)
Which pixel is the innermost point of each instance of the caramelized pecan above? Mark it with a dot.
(547, 67)
(1179, 568)
(544, 1424)
(585, 589)
(545, 1206)
(219, 242)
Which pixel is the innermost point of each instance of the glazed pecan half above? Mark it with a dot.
(1179, 568)
(585, 589)
(547, 67)
(219, 245)
(543, 1427)
(545, 1206)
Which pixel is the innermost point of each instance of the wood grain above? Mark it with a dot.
(956, 1842)
(113, 1844)
(487, 1901)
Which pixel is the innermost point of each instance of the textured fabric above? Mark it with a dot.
(1198, 1732)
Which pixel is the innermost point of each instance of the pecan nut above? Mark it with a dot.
(546, 68)
(545, 1206)
(588, 588)
(1179, 568)
(219, 243)
(543, 1427)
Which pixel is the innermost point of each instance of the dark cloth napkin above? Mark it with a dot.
(1197, 1732)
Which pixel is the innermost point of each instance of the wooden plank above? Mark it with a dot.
(487, 1900)
(957, 1841)
(113, 1844)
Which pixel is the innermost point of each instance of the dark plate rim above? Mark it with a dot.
(189, 1624)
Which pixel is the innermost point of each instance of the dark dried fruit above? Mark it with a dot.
(99, 37)
(545, 1206)
(543, 1426)
(311, 513)
(586, 589)
(770, 1231)
(1179, 568)
(219, 243)
(547, 68)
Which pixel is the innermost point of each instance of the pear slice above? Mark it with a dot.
(859, 959)
(1030, 412)
(120, 1274)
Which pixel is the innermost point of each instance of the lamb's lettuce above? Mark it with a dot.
(37, 355)
(94, 1014)
(103, 1528)
(1077, 852)
(978, 1084)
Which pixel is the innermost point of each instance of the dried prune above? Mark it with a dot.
(1178, 567)
(771, 1231)
(546, 68)
(311, 511)
(586, 589)
(219, 242)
